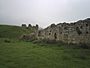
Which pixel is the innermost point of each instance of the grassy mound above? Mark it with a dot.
(7, 31)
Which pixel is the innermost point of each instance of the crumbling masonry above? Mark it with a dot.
(77, 32)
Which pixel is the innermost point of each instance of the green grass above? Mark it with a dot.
(8, 31)
(15, 53)
(20, 54)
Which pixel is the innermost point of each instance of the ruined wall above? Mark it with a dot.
(77, 32)
(30, 27)
(33, 32)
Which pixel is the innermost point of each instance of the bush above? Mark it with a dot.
(7, 40)
(84, 46)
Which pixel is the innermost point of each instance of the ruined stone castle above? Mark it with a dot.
(77, 32)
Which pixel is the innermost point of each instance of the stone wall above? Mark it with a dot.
(30, 27)
(33, 32)
(77, 32)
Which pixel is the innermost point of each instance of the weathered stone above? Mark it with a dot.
(77, 32)
(24, 25)
(28, 37)
(29, 25)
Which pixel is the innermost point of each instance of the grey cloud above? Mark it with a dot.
(42, 12)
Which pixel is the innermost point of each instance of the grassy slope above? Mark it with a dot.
(19, 54)
(7, 31)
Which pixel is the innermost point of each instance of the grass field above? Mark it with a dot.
(21, 54)
(15, 53)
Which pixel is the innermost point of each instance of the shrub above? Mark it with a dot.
(7, 40)
(84, 46)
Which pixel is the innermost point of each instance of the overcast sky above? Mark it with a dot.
(43, 12)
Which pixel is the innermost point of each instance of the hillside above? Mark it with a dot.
(8, 31)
